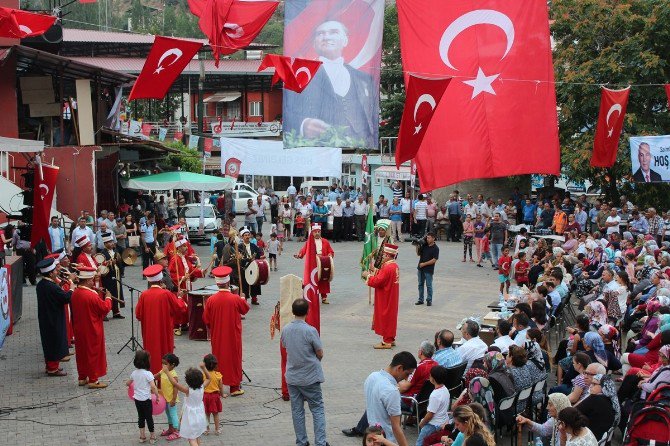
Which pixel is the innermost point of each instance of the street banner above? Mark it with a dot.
(207, 147)
(193, 141)
(146, 129)
(43, 196)
(412, 172)
(5, 304)
(234, 129)
(650, 158)
(613, 105)
(340, 106)
(365, 170)
(162, 133)
(258, 157)
(502, 100)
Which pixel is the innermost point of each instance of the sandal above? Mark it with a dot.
(143, 439)
(173, 436)
(152, 440)
(167, 432)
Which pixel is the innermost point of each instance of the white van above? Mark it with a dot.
(307, 185)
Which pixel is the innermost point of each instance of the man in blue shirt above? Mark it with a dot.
(455, 224)
(638, 225)
(57, 235)
(445, 354)
(529, 211)
(148, 233)
(395, 213)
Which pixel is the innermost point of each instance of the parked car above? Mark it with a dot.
(212, 223)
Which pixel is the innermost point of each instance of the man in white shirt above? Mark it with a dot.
(336, 209)
(103, 228)
(470, 209)
(503, 341)
(360, 214)
(406, 204)
(520, 323)
(613, 222)
(82, 230)
(57, 235)
(291, 191)
(473, 348)
(419, 215)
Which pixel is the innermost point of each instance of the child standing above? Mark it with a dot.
(486, 250)
(480, 232)
(504, 266)
(299, 226)
(193, 419)
(468, 236)
(274, 249)
(260, 242)
(438, 405)
(167, 390)
(286, 221)
(143, 386)
(521, 270)
(213, 392)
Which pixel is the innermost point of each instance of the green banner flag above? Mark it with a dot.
(370, 242)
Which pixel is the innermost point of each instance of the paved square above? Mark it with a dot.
(37, 408)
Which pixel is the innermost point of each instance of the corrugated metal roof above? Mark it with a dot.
(87, 35)
(134, 65)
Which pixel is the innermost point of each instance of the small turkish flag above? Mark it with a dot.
(146, 129)
(207, 147)
(232, 168)
(296, 74)
(501, 100)
(17, 24)
(610, 122)
(178, 136)
(667, 92)
(421, 100)
(167, 59)
(231, 25)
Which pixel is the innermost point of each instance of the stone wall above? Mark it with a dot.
(489, 187)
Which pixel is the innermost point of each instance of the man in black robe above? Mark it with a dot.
(110, 281)
(249, 253)
(51, 301)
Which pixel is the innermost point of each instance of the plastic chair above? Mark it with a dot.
(455, 379)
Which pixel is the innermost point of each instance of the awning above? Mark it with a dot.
(223, 97)
(20, 145)
(392, 173)
(179, 180)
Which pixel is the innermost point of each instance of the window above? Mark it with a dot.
(255, 108)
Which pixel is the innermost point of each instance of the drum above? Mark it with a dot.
(257, 273)
(233, 288)
(100, 259)
(326, 268)
(196, 307)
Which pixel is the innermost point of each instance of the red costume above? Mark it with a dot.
(179, 266)
(170, 250)
(157, 310)
(326, 250)
(223, 315)
(88, 310)
(386, 283)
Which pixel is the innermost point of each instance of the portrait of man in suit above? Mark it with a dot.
(341, 100)
(644, 174)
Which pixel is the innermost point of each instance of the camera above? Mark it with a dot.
(419, 242)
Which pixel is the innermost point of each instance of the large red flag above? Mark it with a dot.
(416, 116)
(610, 123)
(43, 196)
(310, 288)
(501, 102)
(167, 59)
(17, 24)
(231, 24)
(288, 69)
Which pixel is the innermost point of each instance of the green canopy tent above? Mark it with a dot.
(179, 180)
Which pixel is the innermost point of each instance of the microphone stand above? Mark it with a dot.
(132, 344)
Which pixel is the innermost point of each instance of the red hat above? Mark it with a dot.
(175, 227)
(222, 274)
(391, 249)
(153, 273)
(86, 272)
(180, 241)
(82, 241)
(53, 256)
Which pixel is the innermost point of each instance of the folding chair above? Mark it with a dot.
(418, 404)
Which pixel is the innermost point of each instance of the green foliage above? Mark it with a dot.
(335, 136)
(620, 43)
(189, 160)
(392, 83)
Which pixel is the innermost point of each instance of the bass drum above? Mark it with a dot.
(325, 268)
(257, 273)
(197, 330)
(233, 288)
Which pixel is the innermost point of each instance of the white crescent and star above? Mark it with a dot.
(233, 30)
(306, 71)
(176, 52)
(25, 29)
(46, 190)
(614, 108)
(482, 83)
(428, 99)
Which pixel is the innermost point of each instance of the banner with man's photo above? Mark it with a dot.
(650, 158)
(340, 106)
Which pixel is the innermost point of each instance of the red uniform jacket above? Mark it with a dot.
(386, 283)
(157, 310)
(326, 250)
(88, 310)
(223, 315)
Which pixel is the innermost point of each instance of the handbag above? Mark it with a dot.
(133, 241)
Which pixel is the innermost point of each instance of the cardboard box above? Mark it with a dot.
(36, 83)
(37, 96)
(41, 110)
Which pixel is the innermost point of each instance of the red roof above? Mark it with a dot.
(87, 35)
(133, 65)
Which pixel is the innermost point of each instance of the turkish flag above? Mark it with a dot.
(667, 92)
(17, 24)
(146, 129)
(43, 196)
(610, 122)
(310, 288)
(501, 102)
(416, 116)
(289, 70)
(232, 168)
(166, 60)
(231, 25)
(207, 147)
(178, 136)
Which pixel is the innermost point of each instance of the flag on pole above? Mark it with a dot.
(310, 288)
(370, 241)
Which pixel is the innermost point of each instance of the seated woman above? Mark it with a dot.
(629, 360)
(597, 313)
(549, 429)
(568, 347)
(635, 375)
(650, 327)
(659, 377)
(601, 407)
(610, 336)
(576, 389)
(573, 430)
(472, 427)
(525, 373)
(595, 348)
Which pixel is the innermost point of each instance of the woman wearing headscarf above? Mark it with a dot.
(557, 402)
(595, 348)
(636, 374)
(610, 336)
(660, 376)
(597, 313)
(601, 407)
(650, 327)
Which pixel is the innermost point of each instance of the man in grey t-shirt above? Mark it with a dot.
(304, 374)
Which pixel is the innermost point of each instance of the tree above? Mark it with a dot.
(617, 43)
(392, 84)
(189, 160)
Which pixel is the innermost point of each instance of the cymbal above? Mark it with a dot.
(129, 256)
